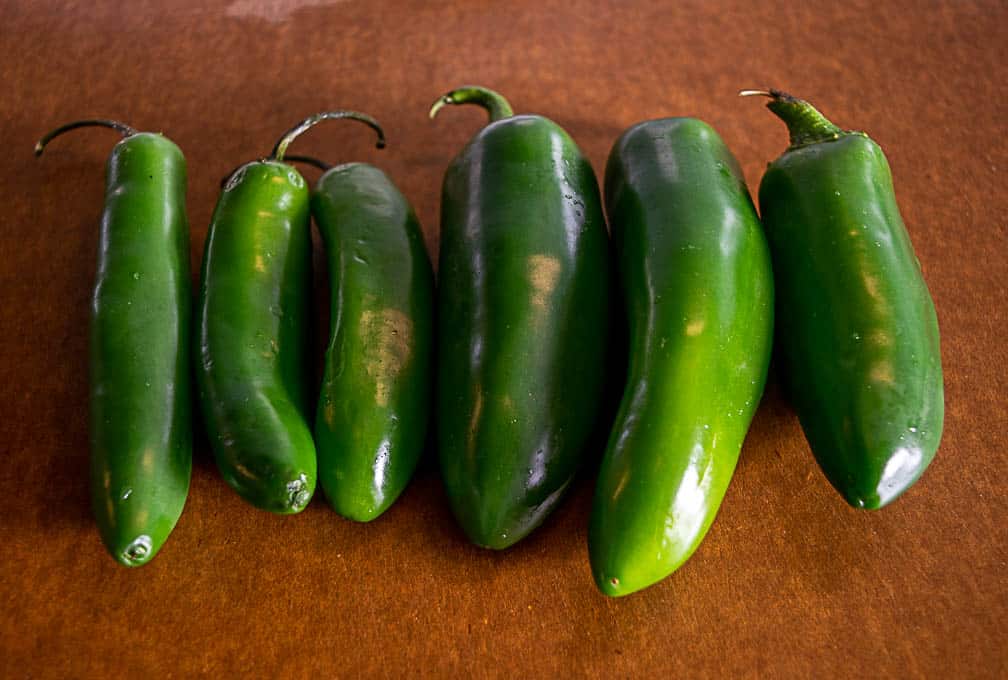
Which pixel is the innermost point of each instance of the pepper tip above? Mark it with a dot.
(776, 95)
(438, 104)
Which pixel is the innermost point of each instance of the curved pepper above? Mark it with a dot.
(522, 320)
(374, 403)
(698, 292)
(140, 423)
(254, 305)
(856, 325)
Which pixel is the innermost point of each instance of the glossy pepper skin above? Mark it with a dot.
(254, 305)
(857, 329)
(140, 401)
(522, 320)
(694, 270)
(373, 409)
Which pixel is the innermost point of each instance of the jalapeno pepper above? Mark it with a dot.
(522, 320)
(254, 307)
(857, 329)
(698, 292)
(140, 420)
(372, 414)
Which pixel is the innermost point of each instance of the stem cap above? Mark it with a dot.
(806, 125)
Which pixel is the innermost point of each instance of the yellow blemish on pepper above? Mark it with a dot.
(880, 338)
(882, 372)
(695, 327)
(543, 272)
(273, 350)
(477, 409)
(507, 405)
(386, 336)
(871, 285)
(618, 491)
(147, 459)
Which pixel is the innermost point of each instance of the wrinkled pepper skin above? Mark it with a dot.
(857, 330)
(254, 306)
(523, 307)
(695, 274)
(373, 409)
(140, 403)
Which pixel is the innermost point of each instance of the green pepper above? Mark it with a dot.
(253, 342)
(140, 412)
(857, 330)
(373, 407)
(697, 287)
(523, 309)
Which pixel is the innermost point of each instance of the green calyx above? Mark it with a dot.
(804, 122)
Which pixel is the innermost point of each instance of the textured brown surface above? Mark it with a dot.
(789, 582)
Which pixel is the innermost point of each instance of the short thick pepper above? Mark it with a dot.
(856, 326)
(523, 313)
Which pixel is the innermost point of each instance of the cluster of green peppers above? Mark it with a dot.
(522, 334)
(251, 339)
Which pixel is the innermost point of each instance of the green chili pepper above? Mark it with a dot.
(373, 407)
(141, 431)
(857, 329)
(698, 292)
(522, 320)
(254, 307)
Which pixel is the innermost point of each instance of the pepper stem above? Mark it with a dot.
(308, 160)
(289, 158)
(805, 124)
(493, 102)
(281, 146)
(123, 128)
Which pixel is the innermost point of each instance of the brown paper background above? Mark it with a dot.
(790, 582)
